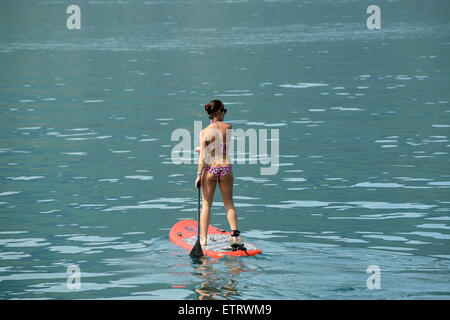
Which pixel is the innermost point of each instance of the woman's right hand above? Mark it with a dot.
(198, 181)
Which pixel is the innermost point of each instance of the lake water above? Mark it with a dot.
(86, 176)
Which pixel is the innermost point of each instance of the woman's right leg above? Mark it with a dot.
(209, 182)
(226, 189)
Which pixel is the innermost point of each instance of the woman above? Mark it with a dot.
(214, 168)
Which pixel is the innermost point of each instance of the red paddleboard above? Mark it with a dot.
(184, 234)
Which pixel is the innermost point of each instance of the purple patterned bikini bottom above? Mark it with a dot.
(219, 171)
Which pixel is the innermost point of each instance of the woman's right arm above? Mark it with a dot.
(201, 162)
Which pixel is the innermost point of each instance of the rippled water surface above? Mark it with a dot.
(87, 179)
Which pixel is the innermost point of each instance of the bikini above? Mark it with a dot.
(218, 171)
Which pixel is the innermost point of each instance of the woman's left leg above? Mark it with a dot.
(226, 188)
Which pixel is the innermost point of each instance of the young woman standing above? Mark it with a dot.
(214, 168)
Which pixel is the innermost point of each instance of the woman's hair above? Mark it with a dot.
(212, 107)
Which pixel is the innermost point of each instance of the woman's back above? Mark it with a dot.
(216, 137)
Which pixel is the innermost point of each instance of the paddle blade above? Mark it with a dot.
(196, 251)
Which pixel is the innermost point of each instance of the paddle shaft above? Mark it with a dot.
(198, 213)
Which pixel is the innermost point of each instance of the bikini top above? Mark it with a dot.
(214, 145)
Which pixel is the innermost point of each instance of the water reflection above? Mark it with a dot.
(219, 277)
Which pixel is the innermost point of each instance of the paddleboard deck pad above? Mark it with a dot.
(184, 234)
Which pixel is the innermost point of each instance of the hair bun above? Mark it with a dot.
(213, 106)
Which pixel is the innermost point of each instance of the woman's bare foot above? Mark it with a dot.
(236, 238)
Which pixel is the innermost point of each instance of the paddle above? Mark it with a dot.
(197, 251)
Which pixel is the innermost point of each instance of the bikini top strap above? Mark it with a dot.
(215, 122)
